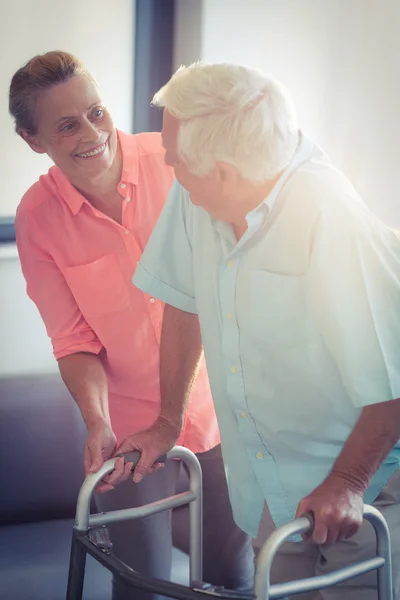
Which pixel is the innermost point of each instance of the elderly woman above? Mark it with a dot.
(81, 230)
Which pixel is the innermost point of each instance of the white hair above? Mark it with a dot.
(233, 114)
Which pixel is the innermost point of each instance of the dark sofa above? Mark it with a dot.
(41, 447)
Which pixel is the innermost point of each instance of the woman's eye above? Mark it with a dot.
(68, 128)
(98, 113)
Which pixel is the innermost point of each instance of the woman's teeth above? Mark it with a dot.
(97, 150)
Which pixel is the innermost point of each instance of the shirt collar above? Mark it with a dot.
(256, 217)
(303, 153)
(130, 173)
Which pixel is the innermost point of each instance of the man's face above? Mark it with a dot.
(204, 191)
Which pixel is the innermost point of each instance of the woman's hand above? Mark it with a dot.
(101, 443)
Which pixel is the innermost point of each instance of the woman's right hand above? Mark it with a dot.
(101, 443)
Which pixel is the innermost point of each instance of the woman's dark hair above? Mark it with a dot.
(40, 73)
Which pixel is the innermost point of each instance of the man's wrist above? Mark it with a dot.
(174, 423)
(354, 482)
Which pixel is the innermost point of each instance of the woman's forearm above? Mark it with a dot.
(84, 376)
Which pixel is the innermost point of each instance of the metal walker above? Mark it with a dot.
(90, 536)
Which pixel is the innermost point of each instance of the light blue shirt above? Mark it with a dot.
(300, 322)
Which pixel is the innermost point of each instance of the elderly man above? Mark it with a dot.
(265, 254)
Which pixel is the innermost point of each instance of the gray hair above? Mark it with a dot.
(233, 114)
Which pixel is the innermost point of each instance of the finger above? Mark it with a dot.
(110, 481)
(352, 530)
(341, 525)
(143, 467)
(103, 488)
(119, 466)
(92, 460)
(116, 475)
(156, 467)
(96, 460)
(302, 508)
(333, 533)
(87, 460)
(128, 468)
(320, 533)
(343, 531)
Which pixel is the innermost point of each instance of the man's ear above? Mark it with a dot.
(227, 176)
(31, 140)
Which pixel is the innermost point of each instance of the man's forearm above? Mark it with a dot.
(180, 354)
(374, 435)
(84, 376)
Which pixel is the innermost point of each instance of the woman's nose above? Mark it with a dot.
(89, 131)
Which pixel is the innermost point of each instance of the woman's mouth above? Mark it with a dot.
(93, 152)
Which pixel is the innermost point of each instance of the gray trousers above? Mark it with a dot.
(146, 544)
(305, 559)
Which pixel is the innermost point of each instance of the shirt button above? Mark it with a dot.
(152, 300)
(233, 369)
(260, 455)
(123, 186)
(127, 199)
(243, 414)
(126, 232)
(230, 263)
(228, 316)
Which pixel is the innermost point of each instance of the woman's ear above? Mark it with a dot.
(31, 140)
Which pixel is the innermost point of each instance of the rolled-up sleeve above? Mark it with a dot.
(166, 267)
(47, 287)
(355, 295)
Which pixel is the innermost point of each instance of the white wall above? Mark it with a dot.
(99, 32)
(24, 345)
(341, 61)
(188, 32)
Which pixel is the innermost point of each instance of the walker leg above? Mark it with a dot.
(76, 574)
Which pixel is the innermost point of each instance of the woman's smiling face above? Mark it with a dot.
(74, 128)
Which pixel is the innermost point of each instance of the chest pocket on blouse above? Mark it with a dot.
(99, 287)
(278, 310)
